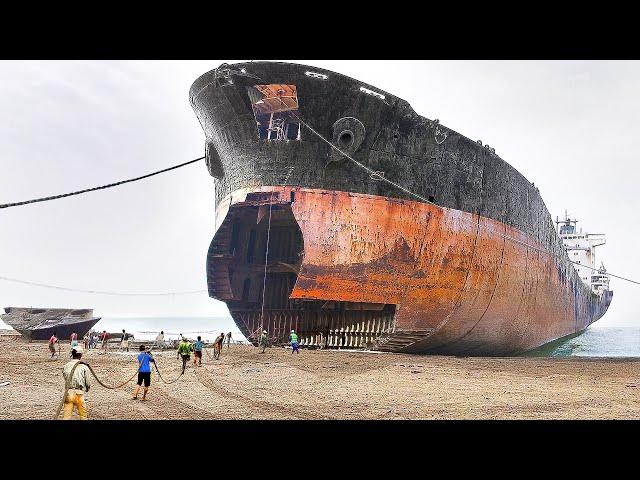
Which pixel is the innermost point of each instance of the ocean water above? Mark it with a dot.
(618, 342)
(146, 328)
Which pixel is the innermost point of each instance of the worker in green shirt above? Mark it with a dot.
(184, 350)
(293, 338)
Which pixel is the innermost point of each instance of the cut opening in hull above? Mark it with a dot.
(236, 275)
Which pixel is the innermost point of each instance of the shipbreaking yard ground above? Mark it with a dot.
(330, 384)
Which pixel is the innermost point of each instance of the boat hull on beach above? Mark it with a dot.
(472, 266)
(41, 323)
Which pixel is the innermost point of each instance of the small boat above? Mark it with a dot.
(41, 323)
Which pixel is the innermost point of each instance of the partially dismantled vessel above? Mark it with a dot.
(422, 241)
(41, 323)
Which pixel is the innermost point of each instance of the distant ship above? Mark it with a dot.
(41, 323)
(473, 266)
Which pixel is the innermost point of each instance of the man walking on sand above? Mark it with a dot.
(160, 340)
(293, 338)
(184, 349)
(263, 340)
(52, 341)
(228, 338)
(74, 339)
(197, 351)
(124, 342)
(217, 344)
(78, 385)
(105, 338)
(144, 372)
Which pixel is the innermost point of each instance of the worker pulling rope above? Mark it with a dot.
(69, 379)
(67, 384)
(101, 187)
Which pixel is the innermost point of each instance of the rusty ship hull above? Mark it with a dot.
(41, 323)
(352, 261)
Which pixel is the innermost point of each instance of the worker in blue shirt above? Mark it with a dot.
(197, 351)
(144, 372)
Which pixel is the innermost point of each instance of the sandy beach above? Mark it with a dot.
(245, 384)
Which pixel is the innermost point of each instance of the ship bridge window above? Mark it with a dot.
(566, 229)
(275, 108)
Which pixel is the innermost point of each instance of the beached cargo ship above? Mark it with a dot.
(422, 241)
(41, 323)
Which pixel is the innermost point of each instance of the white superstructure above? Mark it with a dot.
(581, 250)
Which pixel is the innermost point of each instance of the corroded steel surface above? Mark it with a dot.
(449, 272)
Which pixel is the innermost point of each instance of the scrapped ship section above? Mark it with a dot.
(41, 323)
(307, 240)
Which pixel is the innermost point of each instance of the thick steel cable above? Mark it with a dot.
(420, 197)
(266, 255)
(266, 260)
(400, 187)
(101, 187)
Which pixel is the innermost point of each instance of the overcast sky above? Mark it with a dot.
(569, 127)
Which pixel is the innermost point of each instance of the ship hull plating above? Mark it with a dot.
(452, 275)
(356, 262)
(40, 324)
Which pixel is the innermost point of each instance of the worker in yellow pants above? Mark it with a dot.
(75, 398)
(78, 384)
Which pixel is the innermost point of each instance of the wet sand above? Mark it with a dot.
(245, 384)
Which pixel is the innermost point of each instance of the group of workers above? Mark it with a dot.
(79, 383)
(185, 348)
(89, 340)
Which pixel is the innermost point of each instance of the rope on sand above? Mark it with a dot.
(100, 382)
(165, 381)
(67, 384)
